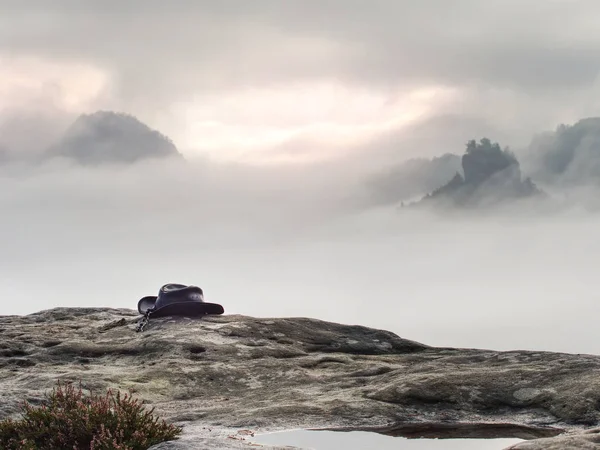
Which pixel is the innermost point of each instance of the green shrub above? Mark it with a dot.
(68, 419)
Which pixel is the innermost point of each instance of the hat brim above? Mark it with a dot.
(146, 303)
(191, 309)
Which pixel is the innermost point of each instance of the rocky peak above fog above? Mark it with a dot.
(111, 137)
(491, 175)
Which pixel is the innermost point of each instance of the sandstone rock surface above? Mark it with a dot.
(227, 377)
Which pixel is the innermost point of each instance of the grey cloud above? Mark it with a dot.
(202, 45)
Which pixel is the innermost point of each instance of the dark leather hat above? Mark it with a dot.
(178, 300)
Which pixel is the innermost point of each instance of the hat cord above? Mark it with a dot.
(144, 321)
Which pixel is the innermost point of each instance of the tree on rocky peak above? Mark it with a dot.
(482, 160)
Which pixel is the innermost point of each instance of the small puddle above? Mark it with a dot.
(362, 440)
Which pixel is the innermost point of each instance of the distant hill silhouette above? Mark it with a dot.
(491, 175)
(111, 137)
(570, 154)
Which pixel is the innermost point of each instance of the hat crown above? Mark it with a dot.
(178, 293)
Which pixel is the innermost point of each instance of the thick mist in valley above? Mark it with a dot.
(299, 241)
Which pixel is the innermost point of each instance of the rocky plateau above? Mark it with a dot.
(225, 378)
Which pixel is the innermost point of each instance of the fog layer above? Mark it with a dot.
(294, 242)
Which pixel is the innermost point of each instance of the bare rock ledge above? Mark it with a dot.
(222, 376)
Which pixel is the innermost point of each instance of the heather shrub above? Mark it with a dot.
(70, 420)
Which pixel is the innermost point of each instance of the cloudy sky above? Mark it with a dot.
(271, 81)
